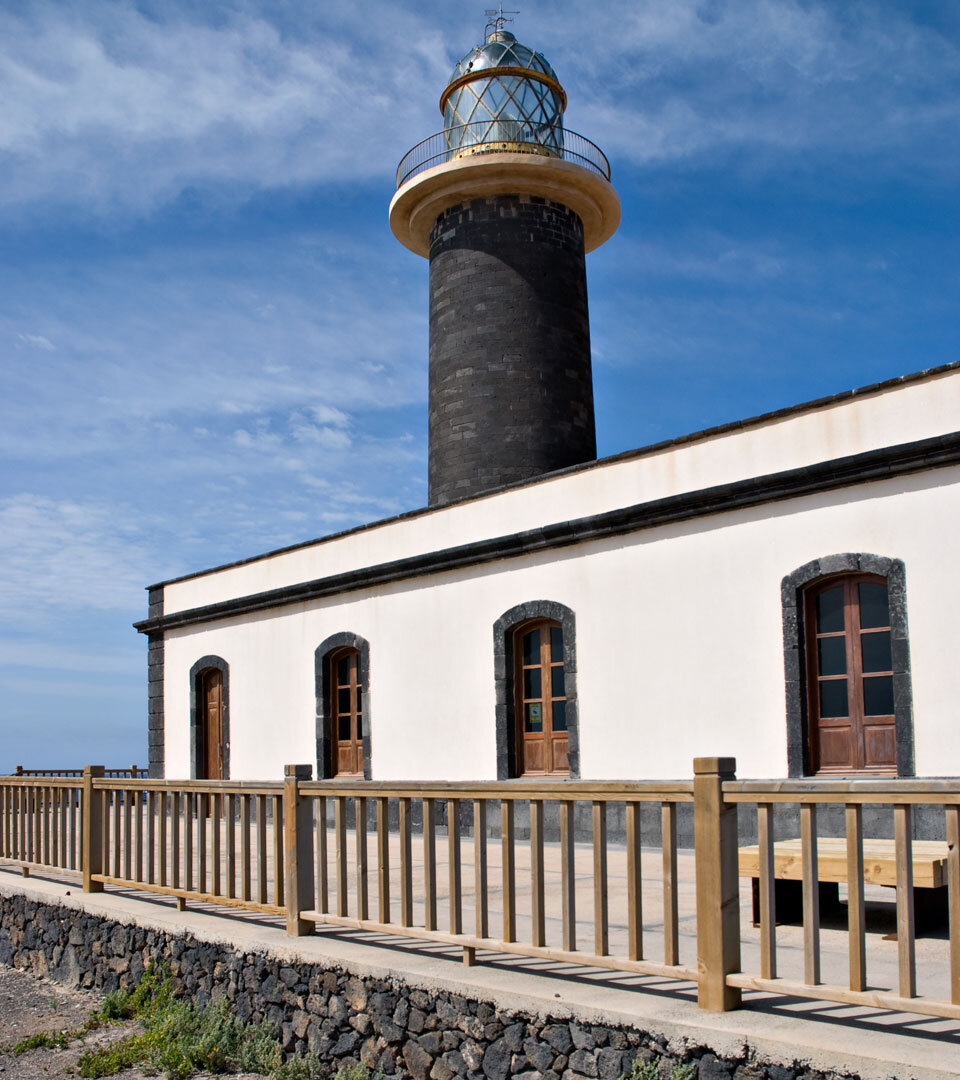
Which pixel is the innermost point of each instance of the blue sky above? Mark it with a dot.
(210, 343)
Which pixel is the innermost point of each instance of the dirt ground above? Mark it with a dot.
(30, 1004)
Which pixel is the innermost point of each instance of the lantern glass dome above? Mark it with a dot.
(503, 96)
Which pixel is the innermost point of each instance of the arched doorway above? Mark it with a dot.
(342, 673)
(542, 741)
(211, 725)
(346, 713)
(210, 719)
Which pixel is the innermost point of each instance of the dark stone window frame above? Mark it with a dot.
(205, 663)
(503, 666)
(792, 589)
(321, 668)
(155, 711)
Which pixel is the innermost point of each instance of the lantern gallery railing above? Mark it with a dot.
(499, 137)
(525, 867)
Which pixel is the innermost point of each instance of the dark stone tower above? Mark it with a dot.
(505, 208)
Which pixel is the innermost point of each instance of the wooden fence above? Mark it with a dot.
(134, 771)
(286, 848)
(40, 823)
(903, 796)
(318, 891)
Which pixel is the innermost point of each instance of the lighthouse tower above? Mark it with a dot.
(505, 203)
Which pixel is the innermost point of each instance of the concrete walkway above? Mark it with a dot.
(870, 1043)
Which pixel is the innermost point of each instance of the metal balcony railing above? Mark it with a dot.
(498, 137)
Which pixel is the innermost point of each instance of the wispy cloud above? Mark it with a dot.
(66, 554)
(114, 108)
(35, 341)
(659, 82)
(49, 654)
(99, 93)
(152, 342)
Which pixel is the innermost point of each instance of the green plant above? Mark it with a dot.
(153, 991)
(45, 1040)
(650, 1070)
(355, 1072)
(179, 1039)
(644, 1070)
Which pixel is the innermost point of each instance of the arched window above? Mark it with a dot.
(535, 668)
(346, 713)
(342, 665)
(541, 700)
(849, 708)
(210, 719)
(850, 676)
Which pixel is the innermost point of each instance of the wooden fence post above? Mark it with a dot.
(718, 884)
(297, 850)
(92, 826)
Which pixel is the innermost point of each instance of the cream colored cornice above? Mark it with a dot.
(420, 201)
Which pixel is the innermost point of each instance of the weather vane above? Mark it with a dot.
(497, 18)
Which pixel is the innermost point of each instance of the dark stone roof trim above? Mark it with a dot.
(882, 464)
(626, 455)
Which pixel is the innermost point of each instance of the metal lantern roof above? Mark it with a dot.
(504, 92)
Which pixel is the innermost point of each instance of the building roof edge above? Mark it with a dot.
(701, 435)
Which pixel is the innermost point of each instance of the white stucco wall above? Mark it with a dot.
(679, 638)
(899, 414)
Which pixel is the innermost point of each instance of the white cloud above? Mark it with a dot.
(29, 653)
(708, 256)
(58, 554)
(658, 82)
(103, 690)
(115, 109)
(327, 414)
(36, 341)
(107, 105)
(154, 341)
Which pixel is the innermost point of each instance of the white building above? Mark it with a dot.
(780, 589)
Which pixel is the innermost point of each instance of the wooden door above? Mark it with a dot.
(211, 735)
(851, 712)
(541, 701)
(346, 714)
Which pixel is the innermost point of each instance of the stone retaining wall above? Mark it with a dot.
(396, 1029)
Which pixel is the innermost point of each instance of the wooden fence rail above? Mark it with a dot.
(496, 866)
(213, 841)
(40, 823)
(493, 860)
(134, 771)
(903, 796)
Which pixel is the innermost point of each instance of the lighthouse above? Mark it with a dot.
(505, 203)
